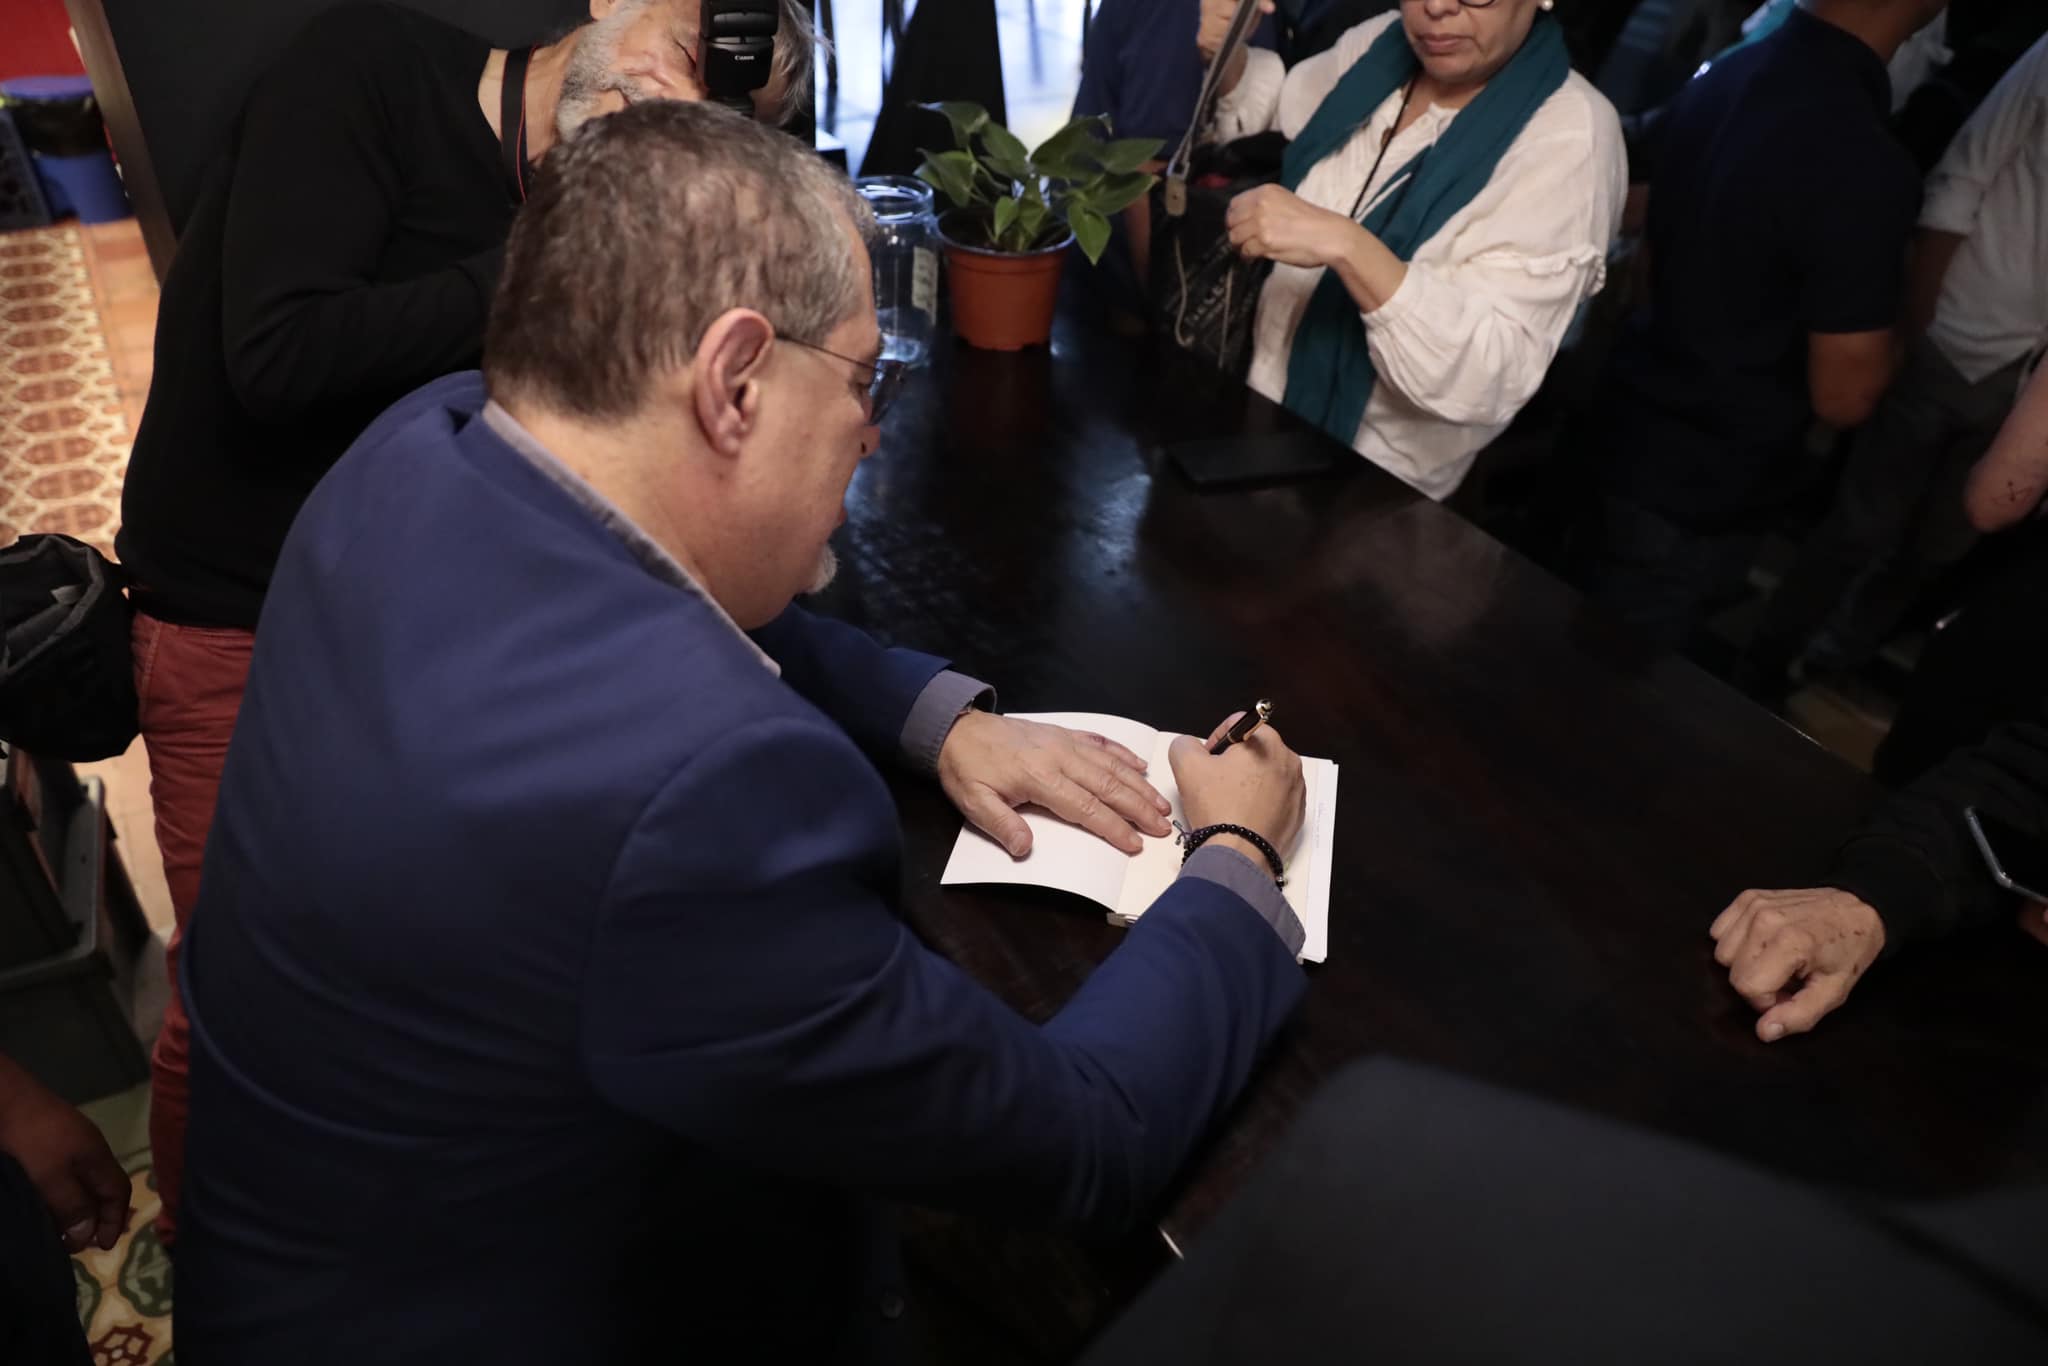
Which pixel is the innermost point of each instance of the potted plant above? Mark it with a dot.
(1014, 212)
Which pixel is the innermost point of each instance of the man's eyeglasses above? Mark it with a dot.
(885, 377)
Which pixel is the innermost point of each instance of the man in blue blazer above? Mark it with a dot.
(548, 1001)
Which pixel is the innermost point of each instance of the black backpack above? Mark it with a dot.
(67, 674)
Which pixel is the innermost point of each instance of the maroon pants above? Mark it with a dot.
(189, 680)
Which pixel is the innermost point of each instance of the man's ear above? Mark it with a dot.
(726, 390)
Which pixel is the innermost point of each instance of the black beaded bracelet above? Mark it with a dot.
(1191, 840)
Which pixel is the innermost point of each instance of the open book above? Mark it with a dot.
(1070, 859)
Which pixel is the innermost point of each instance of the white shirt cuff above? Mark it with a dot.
(1250, 107)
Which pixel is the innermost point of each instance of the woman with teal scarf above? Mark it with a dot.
(1447, 200)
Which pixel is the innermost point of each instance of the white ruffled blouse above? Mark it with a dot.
(1464, 342)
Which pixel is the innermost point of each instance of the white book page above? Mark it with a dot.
(1070, 859)
(1063, 856)
(1153, 869)
(1310, 894)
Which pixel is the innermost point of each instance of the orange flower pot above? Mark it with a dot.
(1004, 301)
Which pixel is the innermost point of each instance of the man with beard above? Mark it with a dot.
(342, 254)
(551, 1003)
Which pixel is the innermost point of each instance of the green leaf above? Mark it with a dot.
(1091, 231)
(1071, 153)
(989, 187)
(1032, 220)
(967, 119)
(952, 174)
(1004, 153)
(1114, 194)
(1128, 154)
(1006, 216)
(1025, 200)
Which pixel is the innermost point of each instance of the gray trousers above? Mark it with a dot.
(1897, 520)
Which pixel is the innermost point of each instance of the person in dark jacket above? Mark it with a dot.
(1913, 873)
(1973, 731)
(1415, 1215)
(341, 255)
(550, 1000)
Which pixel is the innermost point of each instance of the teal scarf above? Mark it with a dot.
(1330, 373)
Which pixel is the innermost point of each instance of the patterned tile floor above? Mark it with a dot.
(66, 431)
(77, 322)
(77, 326)
(124, 1296)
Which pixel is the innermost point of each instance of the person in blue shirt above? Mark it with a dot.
(1141, 67)
(549, 999)
(1140, 70)
(1779, 216)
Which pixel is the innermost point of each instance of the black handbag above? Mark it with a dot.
(67, 674)
(1205, 296)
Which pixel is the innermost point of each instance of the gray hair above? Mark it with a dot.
(791, 65)
(795, 61)
(646, 227)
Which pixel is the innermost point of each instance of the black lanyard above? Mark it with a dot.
(512, 120)
(1407, 94)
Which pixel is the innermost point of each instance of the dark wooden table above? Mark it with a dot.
(1538, 818)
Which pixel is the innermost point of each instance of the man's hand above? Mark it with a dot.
(1279, 225)
(992, 764)
(2033, 920)
(67, 1160)
(1796, 955)
(1256, 783)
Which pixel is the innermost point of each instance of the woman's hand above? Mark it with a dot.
(1273, 224)
(1216, 17)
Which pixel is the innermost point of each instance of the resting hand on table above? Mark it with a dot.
(66, 1159)
(1278, 225)
(992, 764)
(1256, 783)
(1796, 955)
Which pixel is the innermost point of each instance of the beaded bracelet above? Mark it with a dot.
(1191, 840)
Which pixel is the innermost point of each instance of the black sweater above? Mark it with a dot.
(1915, 862)
(342, 254)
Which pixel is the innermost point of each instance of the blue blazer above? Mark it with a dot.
(549, 1001)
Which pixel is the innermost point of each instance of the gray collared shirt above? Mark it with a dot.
(931, 718)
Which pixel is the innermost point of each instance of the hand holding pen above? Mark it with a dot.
(1241, 728)
(1260, 790)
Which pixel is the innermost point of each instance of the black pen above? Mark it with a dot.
(1260, 713)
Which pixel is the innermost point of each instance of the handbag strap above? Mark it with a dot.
(1241, 25)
